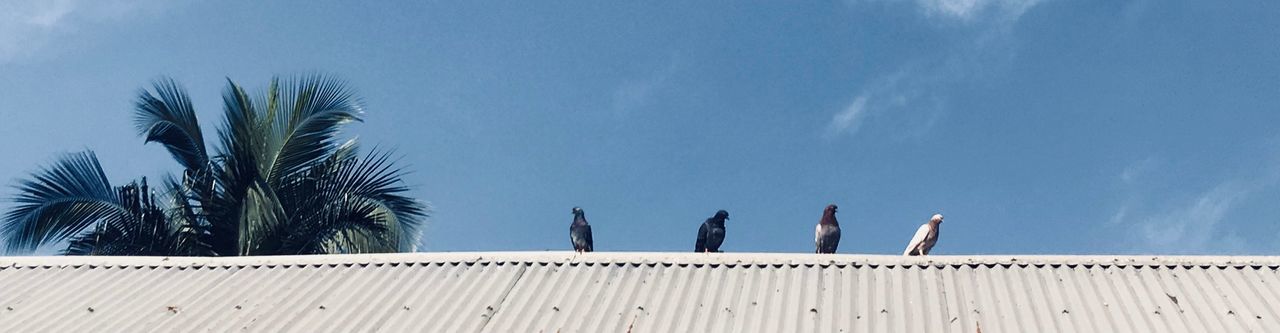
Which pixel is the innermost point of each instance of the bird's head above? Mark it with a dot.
(722, 215)
(831, 209)
(577, 211)
(937, 218)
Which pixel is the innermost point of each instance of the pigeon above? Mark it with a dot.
(580, 232)
(826, 236)
(925, 237)
(711, 234)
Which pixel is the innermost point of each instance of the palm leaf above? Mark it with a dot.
(238, 153)
(145, 228)
(278, 184)
(349, 204)
(267, 139)
(303, 131)
(59, 202)
(260, 220)
(376, 182)
(191, 230)
(379, 181)
(168, 118)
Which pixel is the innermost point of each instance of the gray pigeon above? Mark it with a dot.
(711, 234)
(827, 234)
(580, 232)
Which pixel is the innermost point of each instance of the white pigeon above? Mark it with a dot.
(925, 237)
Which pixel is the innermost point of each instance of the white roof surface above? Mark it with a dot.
(640, 292)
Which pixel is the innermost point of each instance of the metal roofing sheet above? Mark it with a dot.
(641, 292)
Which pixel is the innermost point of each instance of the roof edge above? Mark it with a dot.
(646, 258)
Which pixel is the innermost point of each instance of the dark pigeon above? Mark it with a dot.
(711, 234)
(580, 232)
(827, 234)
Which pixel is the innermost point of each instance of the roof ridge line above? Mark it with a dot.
(645, 258)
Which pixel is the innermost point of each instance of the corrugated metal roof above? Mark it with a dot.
(641, 292)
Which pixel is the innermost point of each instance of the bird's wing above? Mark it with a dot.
(587, 237)
(917, 239)
(701, 245)
(817, 234)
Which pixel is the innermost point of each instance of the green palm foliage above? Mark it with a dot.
(278, 182)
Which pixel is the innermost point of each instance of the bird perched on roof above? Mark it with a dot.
(826, 235)
(711, 234)
(580, 232)
(925, 237)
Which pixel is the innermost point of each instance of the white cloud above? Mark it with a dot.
(1120, 214)
(47, 14)
(979, 49)
(632, 94)
(1158, 220)
(635, 93)
(26, 27)
(1137, 170)
(1192, 227)
(851, 117)
(963, 9)
(968, 10)
(883, 94)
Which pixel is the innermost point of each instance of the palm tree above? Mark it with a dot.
(278, 182)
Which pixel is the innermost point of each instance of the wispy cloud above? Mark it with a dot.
(1198, 224)
(969, 10)
(883, 94)
(1137, 170)
(1193, 227)
(26, 27)
(981, 43)
(635, 93)
(851, 117)
(24, 24)
(46, 14)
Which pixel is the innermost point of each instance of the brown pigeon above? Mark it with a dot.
(827, 233)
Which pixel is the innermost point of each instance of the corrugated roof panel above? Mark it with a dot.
(641, 292)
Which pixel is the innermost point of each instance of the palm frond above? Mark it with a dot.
(105, 240)
(59, 202)
(238, 155)
(191, 229)
(282, 132)
(168, 118)
(241, 137)
(304, 129)
(144, 230)
(279, 182)
(380, 182)
(363, 202)
(336, 223)
(260, 221)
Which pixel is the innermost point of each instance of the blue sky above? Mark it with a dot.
(1071, 127)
